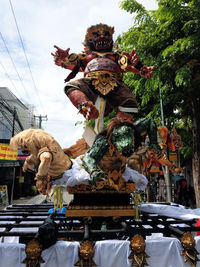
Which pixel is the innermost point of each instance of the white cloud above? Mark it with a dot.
(42, 24)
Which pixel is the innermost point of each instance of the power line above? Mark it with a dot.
(41, 118)
(67, 120)
(8, 76)
(4, 106)
(25, 54)
(6, 126)
(8, 52)
(8, 117)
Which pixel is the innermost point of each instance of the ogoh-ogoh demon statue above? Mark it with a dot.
(103, 70)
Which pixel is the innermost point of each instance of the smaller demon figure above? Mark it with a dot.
(189, 251)
(103, 70)
(86, 254)
(44, 153)
(138, 254)
(33, 254)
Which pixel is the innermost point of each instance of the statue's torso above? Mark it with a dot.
(102, 64)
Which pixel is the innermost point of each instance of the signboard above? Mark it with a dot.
(173, 156)
(154, 169)
(3, 196)
(6, 153)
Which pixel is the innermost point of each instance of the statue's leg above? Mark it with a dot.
(92, 158)
(83, 98)
(123, 100)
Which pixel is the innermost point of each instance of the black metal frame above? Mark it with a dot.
(83, 228)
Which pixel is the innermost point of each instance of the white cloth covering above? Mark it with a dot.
(59, 255)
(78, 175)
(173, 210)
(163, 252)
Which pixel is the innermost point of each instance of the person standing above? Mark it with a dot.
(161, 189)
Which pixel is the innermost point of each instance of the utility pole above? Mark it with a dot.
(41, 118)
(167, 178)
(13, 179)
(13, 124)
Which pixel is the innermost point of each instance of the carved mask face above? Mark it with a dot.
(102, 41)
(138, 244)
(123, 139)
(86, 250)
(188, 241)
(99, 38)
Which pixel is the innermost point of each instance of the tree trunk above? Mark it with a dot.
(196, 149)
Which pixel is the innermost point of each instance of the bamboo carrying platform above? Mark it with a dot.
(101, 200)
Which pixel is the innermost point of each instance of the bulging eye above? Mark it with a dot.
(106, 33)
(95, 34)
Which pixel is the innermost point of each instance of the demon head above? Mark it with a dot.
(99, 38)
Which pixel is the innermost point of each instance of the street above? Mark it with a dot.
(40, 198)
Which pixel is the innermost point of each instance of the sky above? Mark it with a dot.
(32, 76)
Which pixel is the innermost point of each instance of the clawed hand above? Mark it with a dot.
(60, 55)
(89, 111)
(147, 71)
(132, 57)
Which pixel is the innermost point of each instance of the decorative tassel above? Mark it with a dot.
(137, 200)
(58, 197)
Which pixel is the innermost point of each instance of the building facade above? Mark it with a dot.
(15, 117)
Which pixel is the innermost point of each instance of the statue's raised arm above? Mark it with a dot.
(134, 65)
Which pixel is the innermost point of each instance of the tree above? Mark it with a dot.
(169, 39)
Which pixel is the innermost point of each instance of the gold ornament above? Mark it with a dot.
(115, 179)
(189, 252)
(86, 253)
(138, 255)
(123, 62)
(58, 197)
(33, 254)
(103, 81)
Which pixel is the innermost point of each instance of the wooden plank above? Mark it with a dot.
(100, 212)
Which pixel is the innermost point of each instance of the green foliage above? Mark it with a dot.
(169, 39)
(191, 26)
(132, 6)
(109, 117)
(184, 127)
(184, 77)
